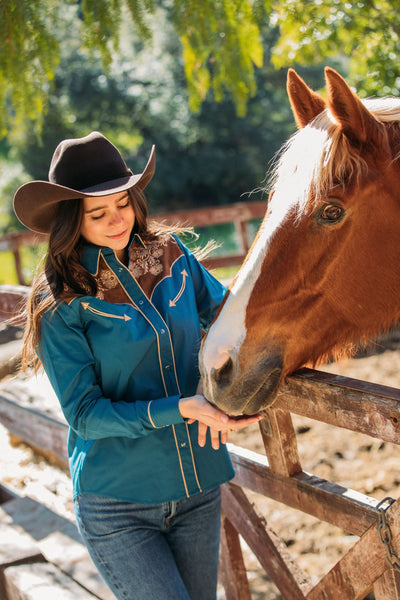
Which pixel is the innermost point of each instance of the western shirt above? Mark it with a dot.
(120, 361)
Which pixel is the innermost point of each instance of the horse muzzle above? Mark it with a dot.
(246, 390)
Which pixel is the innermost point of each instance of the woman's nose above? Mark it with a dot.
(116, 217)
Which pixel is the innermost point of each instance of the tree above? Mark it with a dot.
(366, 34)
(220, 40)
(220, 43)
(209, 157)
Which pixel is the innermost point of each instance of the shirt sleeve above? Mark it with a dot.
(70, 366)
(208, 290)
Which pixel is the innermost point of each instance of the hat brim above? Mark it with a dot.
(35, 202)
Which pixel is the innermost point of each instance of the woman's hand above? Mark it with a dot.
(197, 408)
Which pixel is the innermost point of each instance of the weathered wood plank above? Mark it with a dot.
(239, 211)
(353, 577)
(47, 434)
(232, 571)
(365, 407)
(40, 581)
(269, 549)
(351, 511)
(12, 299)
(280, 442)
(387, 587)
(10, 357)
(57, 539)
(16, 547)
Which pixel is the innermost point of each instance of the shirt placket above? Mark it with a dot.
(169, 376)
(167, 364)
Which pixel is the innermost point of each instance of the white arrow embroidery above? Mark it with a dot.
(179, 294)
(87, 306)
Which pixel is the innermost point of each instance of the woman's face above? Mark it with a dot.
(108, 221)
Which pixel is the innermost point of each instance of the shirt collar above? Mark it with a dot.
(91, 253)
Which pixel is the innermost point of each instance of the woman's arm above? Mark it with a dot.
(70, 365)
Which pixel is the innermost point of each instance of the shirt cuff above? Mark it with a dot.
(164, 412)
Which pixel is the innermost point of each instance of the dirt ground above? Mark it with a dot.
(350, 459)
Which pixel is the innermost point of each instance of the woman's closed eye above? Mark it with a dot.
(125, 204)
(96, 217)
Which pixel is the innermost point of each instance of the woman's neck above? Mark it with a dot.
(122, 256)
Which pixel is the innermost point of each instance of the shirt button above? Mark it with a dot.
(167, 367)
(183, 445)
(140, 301)
(162, 331)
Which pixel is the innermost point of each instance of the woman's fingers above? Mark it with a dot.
(224, 437)
(197, 408)
(214, 433)
(202, 433)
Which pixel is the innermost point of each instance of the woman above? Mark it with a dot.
(115, 318)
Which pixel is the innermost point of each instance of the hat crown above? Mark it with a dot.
(86, 162)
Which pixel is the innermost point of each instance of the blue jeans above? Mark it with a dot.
(154, 552)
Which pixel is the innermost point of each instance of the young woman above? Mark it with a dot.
(115, 318)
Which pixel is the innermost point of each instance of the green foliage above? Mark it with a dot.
(11, 177)
(31, 260)
(366, 34)
(221, 45)
(220, 40)
(29, 54)
(207, 158)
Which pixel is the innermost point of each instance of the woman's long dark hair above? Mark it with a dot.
(63, 275)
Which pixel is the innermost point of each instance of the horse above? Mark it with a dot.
(323, 273)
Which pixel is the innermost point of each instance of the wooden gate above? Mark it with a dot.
(372, 564)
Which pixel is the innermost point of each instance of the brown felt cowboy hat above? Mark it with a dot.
(80, 168)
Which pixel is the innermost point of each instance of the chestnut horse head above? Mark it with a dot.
(323, 273)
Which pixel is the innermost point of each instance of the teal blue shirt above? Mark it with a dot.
(119, 363)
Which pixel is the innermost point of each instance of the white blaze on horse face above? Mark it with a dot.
(293, 178)
(227, 333)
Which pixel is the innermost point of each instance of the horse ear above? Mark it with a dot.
(356, 122)
(305, 103)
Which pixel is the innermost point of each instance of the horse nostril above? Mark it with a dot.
(222, 375)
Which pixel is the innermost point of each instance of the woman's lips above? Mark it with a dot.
(118, 235)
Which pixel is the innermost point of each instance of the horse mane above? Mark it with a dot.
(326, 157)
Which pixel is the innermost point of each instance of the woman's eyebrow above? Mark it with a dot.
(94, 209)
(90, 210)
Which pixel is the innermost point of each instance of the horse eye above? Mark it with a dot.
(332, 212)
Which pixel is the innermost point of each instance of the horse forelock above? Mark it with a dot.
(319, 156)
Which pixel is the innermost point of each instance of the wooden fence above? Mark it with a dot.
(372, 564)
(239, 214)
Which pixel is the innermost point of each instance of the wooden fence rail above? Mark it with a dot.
(356, 405)
(239, 213)
(371, 565)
